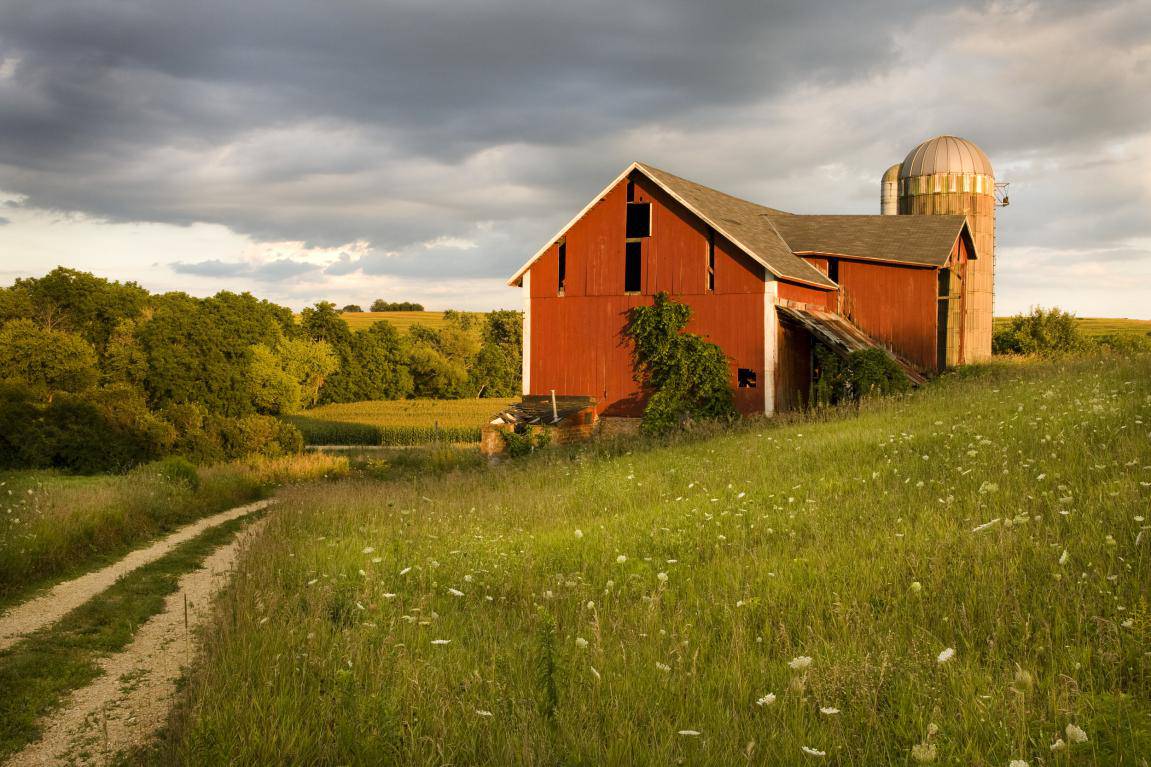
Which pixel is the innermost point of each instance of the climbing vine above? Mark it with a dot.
(687, 377)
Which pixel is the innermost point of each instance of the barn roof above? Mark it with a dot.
(774, 237)
(920, 240)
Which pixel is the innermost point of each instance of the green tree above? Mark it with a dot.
(352, 308)
(498, 365)
(289, 376)
(192, 358)
(46, 361)
(440, 360)
(685, 376)
(380, 305)
(76, 302)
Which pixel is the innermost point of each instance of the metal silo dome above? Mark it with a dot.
(889, 191)
(946, 154)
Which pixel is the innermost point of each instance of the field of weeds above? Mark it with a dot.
(55, 525)
(959, 576)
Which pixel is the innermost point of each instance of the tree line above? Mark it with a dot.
(98, 375)
(380, 305)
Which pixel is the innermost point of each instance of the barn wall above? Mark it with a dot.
(895, 305)
(577, 347)
(820, 299)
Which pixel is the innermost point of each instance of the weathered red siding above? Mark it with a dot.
(576, 339)
(896, 305)
(821, 299)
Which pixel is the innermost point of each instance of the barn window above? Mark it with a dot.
(633, 267)
(631, 191)
(563, 266)
(833, 269)
(710, 261)
(746, 378)
(638, 219)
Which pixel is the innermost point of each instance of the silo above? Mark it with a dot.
(889, 191)
(950, 175)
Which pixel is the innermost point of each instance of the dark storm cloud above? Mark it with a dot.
(492, 120)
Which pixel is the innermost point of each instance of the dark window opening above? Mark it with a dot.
(944, 283)
(631, 191)
(746, 378)
(633, 267)
(563, 270)
(638, 219)
(833, 269)
(710, 261)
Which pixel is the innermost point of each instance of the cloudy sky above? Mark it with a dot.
(423, 149)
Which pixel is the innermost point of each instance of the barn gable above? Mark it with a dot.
(745, 224)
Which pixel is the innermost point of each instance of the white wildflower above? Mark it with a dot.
(985, 525)
(799, 663)
(813, 752)
(367, 550)
(689, 733)
(594, 672)
(766, 700)
(828, 710)
(1018, 763)
(441, 641)
(662, 577)
(581, 642)
(455, 592)
(481, 712)
(405, 571)
(916, 587)
(621, 559)
(578, 533)
(946, 655)
(1058, 745)
(1064, 558)
(923, 753)
(1075, 734)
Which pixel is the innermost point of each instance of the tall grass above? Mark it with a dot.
(54, 525)
(641, 608)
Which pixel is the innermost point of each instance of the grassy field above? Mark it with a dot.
(397, 422)
(1099, 326)
(54, 526)
(960, 575)
(401, 320)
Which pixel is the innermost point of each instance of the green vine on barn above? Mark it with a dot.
(687, 377)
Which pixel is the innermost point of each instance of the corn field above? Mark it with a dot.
(397, 422)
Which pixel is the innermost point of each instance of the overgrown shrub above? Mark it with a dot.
(522, 443)
(863, 373)
(176, 470)
(1042, 331)
(686, 377)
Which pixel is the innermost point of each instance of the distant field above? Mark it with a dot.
(397, 422)
(1099, 326)
(400, 320)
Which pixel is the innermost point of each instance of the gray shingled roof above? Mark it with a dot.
(746, 223)
(925, 240)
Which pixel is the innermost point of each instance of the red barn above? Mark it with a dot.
(761, 283)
